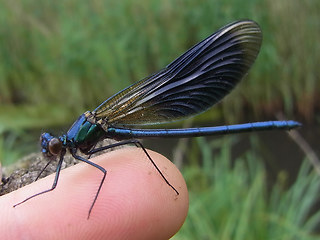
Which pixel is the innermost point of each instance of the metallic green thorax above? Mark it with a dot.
(83, 134)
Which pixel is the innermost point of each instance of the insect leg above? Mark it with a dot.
(55, 182)
(138, 144)
(102, 180)
(44, 169)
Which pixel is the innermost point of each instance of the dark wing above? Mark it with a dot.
(190, 84)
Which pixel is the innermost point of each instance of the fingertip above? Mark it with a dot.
(150, 207)
(135, 202)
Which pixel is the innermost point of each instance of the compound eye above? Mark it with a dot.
(55, 146)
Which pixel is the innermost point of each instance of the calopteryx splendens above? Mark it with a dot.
(189, 85)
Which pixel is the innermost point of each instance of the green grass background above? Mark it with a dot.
(60, 58)
(73, 54)
(236, 202)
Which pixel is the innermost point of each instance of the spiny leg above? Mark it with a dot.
(55, 182)
(90, 154)
(138, 144)
(102, 180)
(43, 169)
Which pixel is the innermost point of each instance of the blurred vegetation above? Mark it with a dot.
(73, 54)
(60, 58)
(229, 199)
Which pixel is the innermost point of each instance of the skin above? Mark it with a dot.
(134, 202)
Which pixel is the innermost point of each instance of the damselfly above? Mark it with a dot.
(188, 86)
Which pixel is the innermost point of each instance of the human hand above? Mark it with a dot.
(134, 202)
